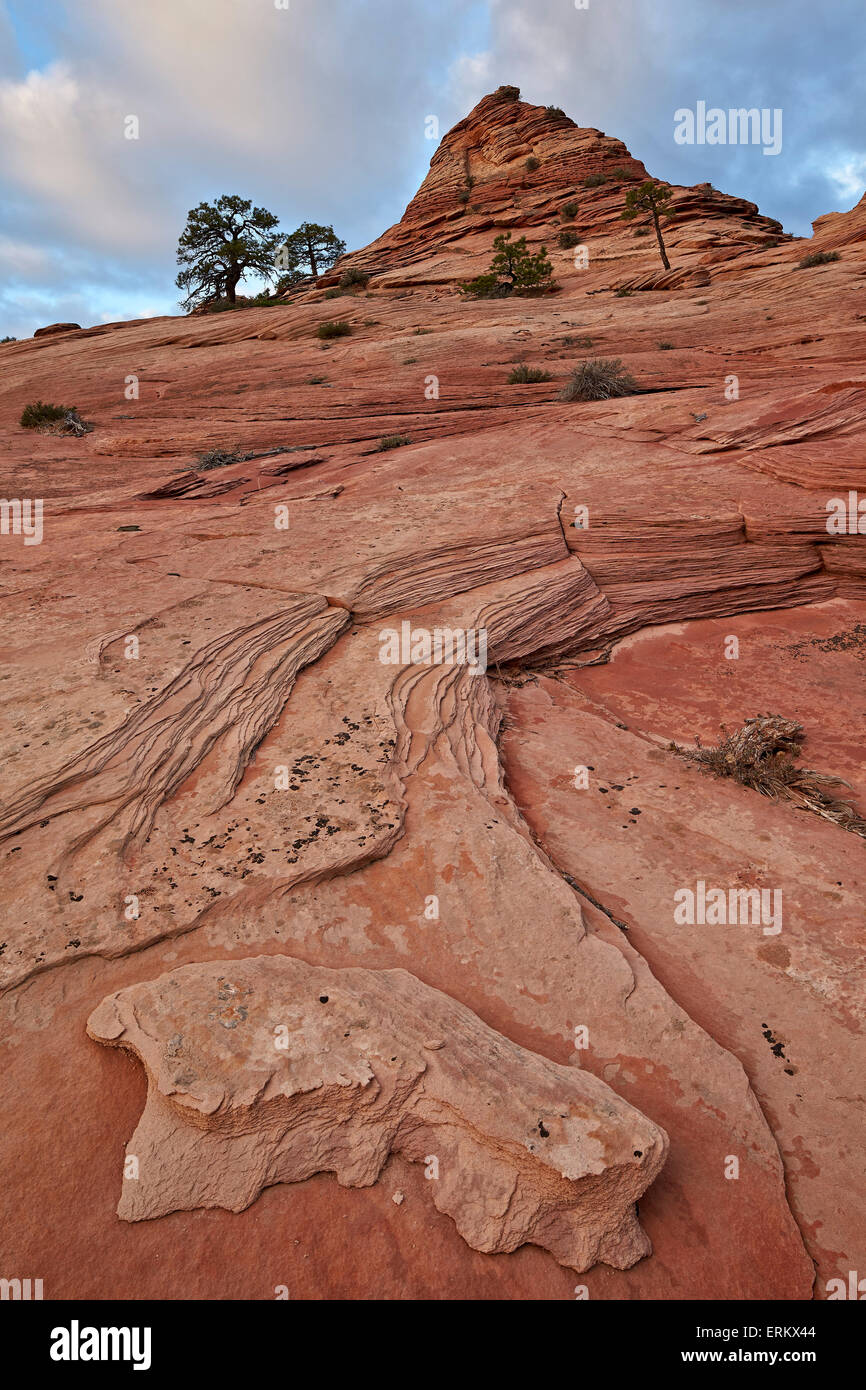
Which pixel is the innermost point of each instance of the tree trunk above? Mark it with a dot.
(231, 285)
(664, 255)
(312, 254)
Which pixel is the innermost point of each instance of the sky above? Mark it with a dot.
(317, 110)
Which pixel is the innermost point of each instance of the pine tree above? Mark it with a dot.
(221, 242)
(654, 198)
(308, 251)
(513, 268)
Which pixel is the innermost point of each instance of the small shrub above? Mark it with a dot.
(334, 328)
(641, 231)
(513, 269)
(621, 174)
(371, 323)
(600, 379)
(392, 441)
(40, 413)
(408, 361)
(665, 346)
(354, 276)
(524, 374)
(762, 756)
(464, 195)
(216, 458)
(485, 287)
(333, 293)
(8, 340)
(506, 93)
(419, 332)
(567, 239)
(555, 111)
(623, 292)
(818, 258)
(594, 180)
(569, 212)
(316, 380)
(532, 164)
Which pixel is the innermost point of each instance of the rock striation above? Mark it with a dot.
(224, 768)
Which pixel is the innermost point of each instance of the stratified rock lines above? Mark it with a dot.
(251, 782)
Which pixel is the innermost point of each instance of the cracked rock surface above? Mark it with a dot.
(212, 778)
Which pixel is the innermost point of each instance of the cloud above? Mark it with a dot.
(849, 176)
(627, 66)
(318, 112)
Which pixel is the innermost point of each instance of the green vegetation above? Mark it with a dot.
(556, 112)
(310, 250)
(220, 244)
(507, 93)
(513, 270)
(353, 276)
(569, 211)
(568, 238)
(532, 164)
(818, 258)
(594, 180)
(654, 198)
(392, 441)
(40, 413)
(334, 328)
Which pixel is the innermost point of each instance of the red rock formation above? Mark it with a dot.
(207, 759)
(333, 1070)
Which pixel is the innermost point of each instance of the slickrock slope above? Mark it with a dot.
(223, 759)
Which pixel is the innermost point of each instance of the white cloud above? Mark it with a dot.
(850, 176)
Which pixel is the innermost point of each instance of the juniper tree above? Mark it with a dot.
(308, 251)
(221, 242)
(654, 198)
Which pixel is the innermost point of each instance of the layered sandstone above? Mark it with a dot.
(274, 1070)
(210, 769)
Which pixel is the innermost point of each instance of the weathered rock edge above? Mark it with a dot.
(269, 1070)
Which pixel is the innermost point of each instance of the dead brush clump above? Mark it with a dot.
(762, 755)
(600, 379)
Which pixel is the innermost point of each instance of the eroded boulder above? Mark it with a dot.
(269, 1070)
